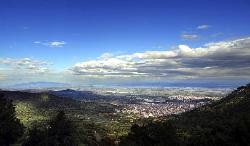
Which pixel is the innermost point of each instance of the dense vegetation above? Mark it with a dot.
(226, 122)
(89, 121)
(223, 122)
(10, 127)
(59, 131)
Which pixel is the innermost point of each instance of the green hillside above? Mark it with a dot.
(225, 122)
(89, 118)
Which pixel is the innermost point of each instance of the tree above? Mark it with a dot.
(36, 137)
(138, 136)
(10, 127)
(58, 132)
(61, 131)
(163, 134)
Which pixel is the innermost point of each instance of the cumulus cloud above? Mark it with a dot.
(225, 59)
(26, 64)
(189, 36)
(54, 44)
(204, 26)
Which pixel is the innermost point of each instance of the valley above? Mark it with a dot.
(109, 111)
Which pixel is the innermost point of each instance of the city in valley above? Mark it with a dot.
(146, 102)
(111, 110)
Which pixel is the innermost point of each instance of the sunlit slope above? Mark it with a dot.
(89, 117)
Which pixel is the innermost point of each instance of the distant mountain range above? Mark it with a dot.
(47, 85)
(190, 84)
(39, 85)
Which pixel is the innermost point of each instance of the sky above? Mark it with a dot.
(124, 41)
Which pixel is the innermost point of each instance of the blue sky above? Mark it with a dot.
(67, 34)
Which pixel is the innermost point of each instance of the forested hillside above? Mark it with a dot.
(225, 122)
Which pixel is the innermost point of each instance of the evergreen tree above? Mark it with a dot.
(61, 131)
(10, 127)
(36, 137)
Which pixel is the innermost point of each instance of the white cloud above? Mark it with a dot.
(213, 60)
(204, 26)
(37, 42)
(57, 43)
(218, 34)
(155, 54)
(26, 65)
(189, 36)
(54, 44)
(106, 56)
